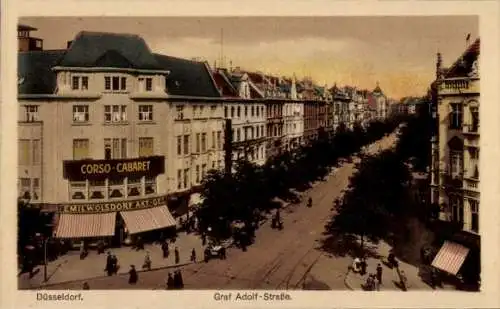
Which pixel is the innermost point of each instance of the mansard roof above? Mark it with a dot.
(35, 75)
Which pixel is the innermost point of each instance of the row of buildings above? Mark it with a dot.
(106, 126)
(454, 172)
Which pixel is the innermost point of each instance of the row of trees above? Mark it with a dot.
(380, 198)
(251, 190)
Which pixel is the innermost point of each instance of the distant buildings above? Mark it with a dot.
(106, 127)
(455, 155)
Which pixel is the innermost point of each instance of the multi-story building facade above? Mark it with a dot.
(246, 109)
(381, 102)
(293, 116)
(455, 150)
(106, 127)
(341, 100)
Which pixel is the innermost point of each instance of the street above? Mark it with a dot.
(286, 259)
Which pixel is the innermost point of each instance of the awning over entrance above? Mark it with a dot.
(149, 219)
(86, 225)
(450, 257)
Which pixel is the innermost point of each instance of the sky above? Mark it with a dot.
(399, 52)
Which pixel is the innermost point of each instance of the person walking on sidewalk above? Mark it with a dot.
(114, 264)
(109, 264)
(133, 277)
(170, 282)
(379, 274)
(181, 281)
(193, 256)
(177, 257)
(164, 249)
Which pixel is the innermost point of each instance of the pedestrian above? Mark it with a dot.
(223, 252)
(114, 264)
(403, 280)
(147, 261)
(140, 243)
(109, 264)
(203, 239)
(86, 286)
(379, 273)
(206, 254)
(180, 281)
(164, 249)
(170, 282)
(100, 247)
(363, 266)
(176, 280)
(434, 278)
(133, 277)
(177, 257)
(193, 256)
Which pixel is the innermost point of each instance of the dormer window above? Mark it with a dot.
(149, 84)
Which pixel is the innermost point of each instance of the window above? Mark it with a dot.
(78, 190)
(123, 84)
(80, 149)
(149, 84)
(257, 111)
(115, 113)
(474, 162)
(203, 142)
(232, 111)
(85, 83)
(25, 190)
(225, 111)
(134, 186)
(146, 147)
(456, 209)
(145, 112)
(213, 140)
(253, 112)
(179, 179)
(180, 112)
(75, 82)
(262, 131)
(116, 188)
(36, 152)
(238, 111)
(116, 83)
(219, 140)
(197, 173)
(475, 119)
(456, 116)
(179, 145)
(246, 111)
(31, 113)
(186, 144)
(149, 185)
(115, 148)
(24, 152)
(107, 83)
(203, 170)
(238, 135)
(197, 142)
(456, 160)
(97, 189)
(186, 177)
(202, 108)
(80, 113)
(474, 209)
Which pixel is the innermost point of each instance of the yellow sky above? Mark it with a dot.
(398, 52)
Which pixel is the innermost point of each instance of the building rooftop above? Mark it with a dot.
(463, 65)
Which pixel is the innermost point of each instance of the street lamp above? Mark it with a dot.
(45, 241)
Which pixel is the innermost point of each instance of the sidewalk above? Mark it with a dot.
(70, 268)
(390, 277)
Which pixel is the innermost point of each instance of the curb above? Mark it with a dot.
(42, 285)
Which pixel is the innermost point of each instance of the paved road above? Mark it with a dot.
(286, 259)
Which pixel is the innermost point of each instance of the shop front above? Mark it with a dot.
(125, 204)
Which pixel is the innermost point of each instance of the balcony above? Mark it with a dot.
(451, 182)
(453, 86)
(471, 129)
(471, 184)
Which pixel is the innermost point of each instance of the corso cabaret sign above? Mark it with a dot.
(90, 208)
(95, 169)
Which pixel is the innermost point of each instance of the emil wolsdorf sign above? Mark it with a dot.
(100, 169)
(122, 205)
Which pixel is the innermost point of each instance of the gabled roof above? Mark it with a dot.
(34, 71)
(187, 77)
(89, 49)
(463, 65)
(224, 85)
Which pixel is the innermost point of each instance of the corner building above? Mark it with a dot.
(99, 130)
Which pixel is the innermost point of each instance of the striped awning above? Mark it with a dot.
(450, 257)
(149, 219)
(86, 225)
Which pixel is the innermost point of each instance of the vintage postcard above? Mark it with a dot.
(316, 160)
